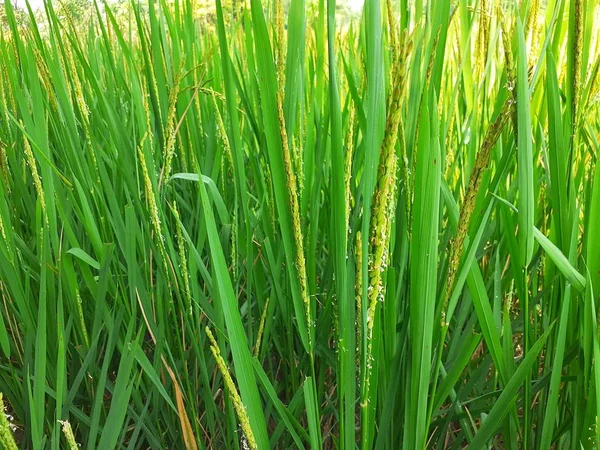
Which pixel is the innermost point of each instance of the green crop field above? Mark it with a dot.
(290, 224)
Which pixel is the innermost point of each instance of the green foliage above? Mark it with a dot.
(387, 221)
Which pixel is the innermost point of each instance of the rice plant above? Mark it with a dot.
(272, 224)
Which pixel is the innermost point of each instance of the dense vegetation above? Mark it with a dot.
(269, 230)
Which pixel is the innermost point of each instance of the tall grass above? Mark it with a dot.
(282, 228)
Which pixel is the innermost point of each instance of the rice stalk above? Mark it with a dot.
(418, 117)
(270, 197)
(348, 163)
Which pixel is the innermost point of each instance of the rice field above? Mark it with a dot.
(277, 224)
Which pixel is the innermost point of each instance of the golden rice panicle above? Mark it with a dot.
(485, 15)
(406, 47)
(4, 166)
(151, 198)
(170, 131)
(77, 86)
(391, 25)
(468, 206)
(153, 206)
(261, 328)
(64, 61)
(234, 257)
(69, 436)
(80, 316)
(291, 181)
(183, 259)
(146, 107)
(2, 230)
(153, 83)
(533, 29)
(7, 101)
(385, 190)
(37, 181)
(511, 77)
(578, 50)
(358, 286)
(82, 106)
(279, 48)
(383, 203)
(44, 76)
(482, 37)
(223, 133)
(234, 396)
(298, 166)
(450, 152)
(229, 157)
(7, 439)
(506, 28)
